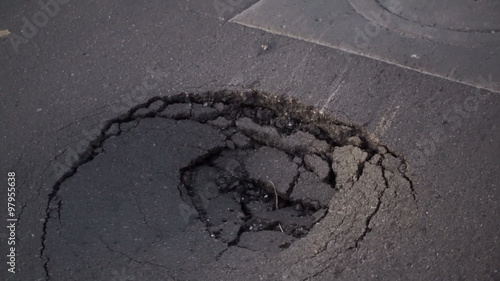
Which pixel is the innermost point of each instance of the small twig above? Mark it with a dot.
(279, 224)
(276, 198)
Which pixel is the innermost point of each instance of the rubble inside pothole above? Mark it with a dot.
(276, 172)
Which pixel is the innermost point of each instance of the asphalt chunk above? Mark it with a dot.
(177, 111)
(347, 163)
(273, 168)
(311, 190)
(317, 165)
(203, 113)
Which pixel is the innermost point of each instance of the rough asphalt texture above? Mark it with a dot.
(93, 61)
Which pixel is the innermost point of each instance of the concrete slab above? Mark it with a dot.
(460, 44)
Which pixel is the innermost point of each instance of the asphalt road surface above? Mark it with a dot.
(249, 140)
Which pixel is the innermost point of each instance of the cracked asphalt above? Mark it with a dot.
(133, 125)
(215, 199)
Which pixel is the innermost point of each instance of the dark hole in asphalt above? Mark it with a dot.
(273, 174)
(181, 179)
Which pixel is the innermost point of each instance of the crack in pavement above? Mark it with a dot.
(132, 259)
(370, 216)
(144, 218)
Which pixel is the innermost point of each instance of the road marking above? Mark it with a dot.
(336, 83)
(386, 122)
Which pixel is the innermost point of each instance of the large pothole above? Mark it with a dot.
(179, 183)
